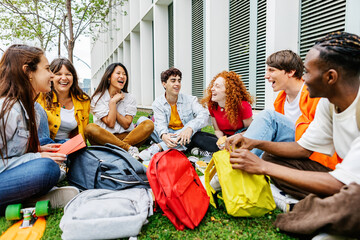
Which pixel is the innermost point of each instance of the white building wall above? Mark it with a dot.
(282, 32)
(139, 40)
(161, 45)
(217, 38)
(182, 42)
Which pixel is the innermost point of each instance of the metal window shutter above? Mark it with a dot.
(171, 34)
(239, 39)
(260, 54)
(198, 46)
(319, 17)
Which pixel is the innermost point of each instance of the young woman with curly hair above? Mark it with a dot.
(228, 102)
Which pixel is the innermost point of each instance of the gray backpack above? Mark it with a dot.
(106, 214)
(106, 167)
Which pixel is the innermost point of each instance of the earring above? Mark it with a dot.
(30, 79)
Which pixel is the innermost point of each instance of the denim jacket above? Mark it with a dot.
(17, 136)
(191, 113)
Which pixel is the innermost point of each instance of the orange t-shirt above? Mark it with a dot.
(307, 107)
(175, 121)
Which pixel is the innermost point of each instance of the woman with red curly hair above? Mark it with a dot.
(228, 102)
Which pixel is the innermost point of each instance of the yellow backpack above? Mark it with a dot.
(244, 194)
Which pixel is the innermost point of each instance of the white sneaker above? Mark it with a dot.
(326, 236)
(203, 153)
(134, 152)
(58, 196)
(214, 182)
(62, 172)
(282, 200)
(147, 154)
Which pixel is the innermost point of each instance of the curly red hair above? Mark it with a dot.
(235, 91)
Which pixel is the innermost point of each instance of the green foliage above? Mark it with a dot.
(42, 21)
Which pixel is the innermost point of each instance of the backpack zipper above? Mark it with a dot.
(121, 181)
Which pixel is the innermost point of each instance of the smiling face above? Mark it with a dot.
(278, 78)
(41, 78)
(63, 80)
(118, 79)
(172, 85)
(313, 76)
(218, 90)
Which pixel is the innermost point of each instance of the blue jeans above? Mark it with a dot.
(270, 125)
(156, 138)
(43, 129)
(33, 178)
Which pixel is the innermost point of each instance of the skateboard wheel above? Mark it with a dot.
(42, 208)
(13, 212)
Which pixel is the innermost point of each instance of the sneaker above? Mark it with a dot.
(134, 152)
(58, 196)
(62, 172)
(326, 236)
(147, 154)
(283, 201)
(203, 153)
(214, 182)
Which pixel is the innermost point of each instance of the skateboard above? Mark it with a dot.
(32, 225)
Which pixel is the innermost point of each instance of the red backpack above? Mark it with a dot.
(177, 188)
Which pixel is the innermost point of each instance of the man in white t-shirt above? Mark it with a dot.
(333, 73)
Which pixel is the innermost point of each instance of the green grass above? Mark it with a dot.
(217, 224)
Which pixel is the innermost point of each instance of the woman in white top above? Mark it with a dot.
(114, 109)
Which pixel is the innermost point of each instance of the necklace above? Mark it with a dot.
(63, 105)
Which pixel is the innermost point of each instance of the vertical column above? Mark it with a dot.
(282, 32)
(121, 53)
(161, 45)
(217, 38)
(252, 48)
(127, 57)
(146, 63)
(182, 42)
(352, 16)
(135, 78)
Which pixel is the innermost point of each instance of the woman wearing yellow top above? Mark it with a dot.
(66, 105)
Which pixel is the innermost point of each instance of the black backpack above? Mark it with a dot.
(105, 167)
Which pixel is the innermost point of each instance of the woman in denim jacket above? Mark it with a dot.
(26, 170)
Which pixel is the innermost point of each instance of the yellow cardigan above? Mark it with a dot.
(81, 112)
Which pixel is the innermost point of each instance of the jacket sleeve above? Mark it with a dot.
(161, 123)
(201, 116)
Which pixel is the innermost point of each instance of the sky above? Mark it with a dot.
(82, 51)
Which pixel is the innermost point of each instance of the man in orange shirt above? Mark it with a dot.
(294, 111)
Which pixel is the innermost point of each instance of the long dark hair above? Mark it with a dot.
(105, 83)
(15, 86)
(75, 90)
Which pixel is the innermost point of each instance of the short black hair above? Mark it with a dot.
(340, 49)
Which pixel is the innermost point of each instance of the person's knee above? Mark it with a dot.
(267, 114)
(48, 171)
(91, 129)
(147, 126)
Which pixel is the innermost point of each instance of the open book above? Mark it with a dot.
(74, 144)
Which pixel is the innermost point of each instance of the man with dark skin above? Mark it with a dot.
(332, 71)
(340, 88)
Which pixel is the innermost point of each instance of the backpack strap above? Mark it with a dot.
(332, 108)
(118, 150)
